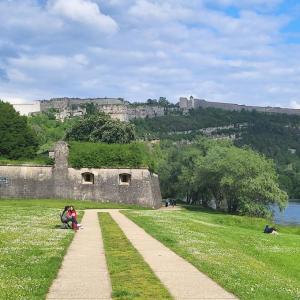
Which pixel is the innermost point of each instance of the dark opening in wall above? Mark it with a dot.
(87, 178)
(124, 179)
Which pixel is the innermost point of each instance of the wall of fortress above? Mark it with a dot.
(186, 104)
(62, 182)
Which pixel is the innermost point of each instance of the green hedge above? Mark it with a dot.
(99, 155)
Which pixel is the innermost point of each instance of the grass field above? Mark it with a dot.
(131, 277)
(231, 249)
(60, 203)
(31, 245)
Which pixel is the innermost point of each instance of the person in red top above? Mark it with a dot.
(72, 216)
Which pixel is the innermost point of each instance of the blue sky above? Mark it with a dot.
(240, 51)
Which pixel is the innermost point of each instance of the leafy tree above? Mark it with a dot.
(16, 138)
(101, 128)
(152, 102)
(239, 180)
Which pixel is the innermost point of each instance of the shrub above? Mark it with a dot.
(99, 155)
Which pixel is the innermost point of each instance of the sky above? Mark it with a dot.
(238, 51)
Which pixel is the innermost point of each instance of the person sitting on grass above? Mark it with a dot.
(271, 230)
(64, 218)
(72, 216)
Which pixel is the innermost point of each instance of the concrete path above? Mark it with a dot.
(182, 279)
(83, 274)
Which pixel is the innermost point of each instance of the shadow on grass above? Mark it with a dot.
(204, 209)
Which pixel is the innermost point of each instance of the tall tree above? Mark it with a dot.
(16, 137)
(101, 128)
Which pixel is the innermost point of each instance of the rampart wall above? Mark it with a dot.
(186, 104)
(131, 186)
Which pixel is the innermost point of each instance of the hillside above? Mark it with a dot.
(275, 135)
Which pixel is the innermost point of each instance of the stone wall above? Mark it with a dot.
(185, 104)
(115, 107)
(63, 182)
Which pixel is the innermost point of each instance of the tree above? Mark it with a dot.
(16, 138)
(162, 101)
(101, 128)
(152, 102)
(240, 179)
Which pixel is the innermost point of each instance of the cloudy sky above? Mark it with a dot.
(241, 51)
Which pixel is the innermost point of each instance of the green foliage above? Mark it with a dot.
(232, 250)
(134, 280)
(239, 180)
(101, 128)
(49, 130)
(16, 138)
(271, 134)
(98, 155)
(38, 160)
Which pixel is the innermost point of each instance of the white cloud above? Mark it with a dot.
(295, 104)
(161, 11)
(159, 48)
(85, 12)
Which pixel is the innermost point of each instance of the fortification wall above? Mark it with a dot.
(186, 104)
(116, 108)
(132, 186)
(42, 182)
(26, 182)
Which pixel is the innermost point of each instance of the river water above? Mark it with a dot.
(291, 215)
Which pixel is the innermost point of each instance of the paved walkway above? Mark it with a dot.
(83, 274)
(182, 279)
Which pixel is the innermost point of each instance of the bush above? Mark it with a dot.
(99, 155)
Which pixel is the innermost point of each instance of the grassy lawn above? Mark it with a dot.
(231, 249)
(31, 250)
(31, 247)
(61, 203)
(131, 277)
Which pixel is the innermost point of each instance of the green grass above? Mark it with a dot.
(131, 277)
(231, 249)
(31, 246)
(31, 250)
(61, 203)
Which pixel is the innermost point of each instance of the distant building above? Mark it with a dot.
(25, 109)
(186, 104)
(117, 108)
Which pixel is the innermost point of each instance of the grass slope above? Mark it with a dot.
(231, 249)
(131, 277)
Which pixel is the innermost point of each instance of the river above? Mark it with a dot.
(291, 215)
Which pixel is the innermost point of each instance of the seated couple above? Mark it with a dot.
(271, 230)
(68, 215)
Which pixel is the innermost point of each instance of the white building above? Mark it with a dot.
(25, 109)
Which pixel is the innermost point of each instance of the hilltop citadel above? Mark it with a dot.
(118, 108)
